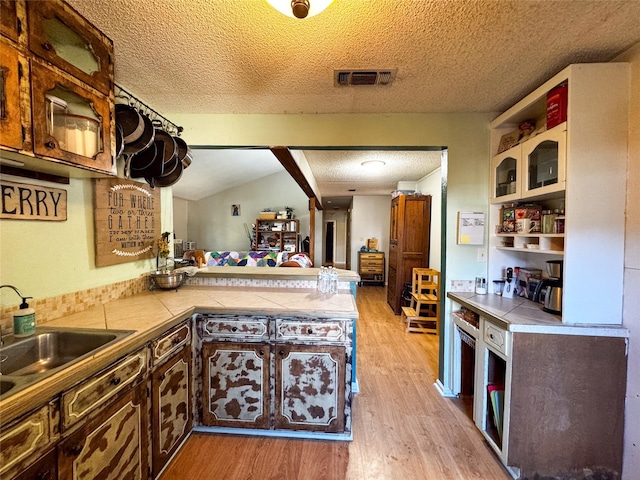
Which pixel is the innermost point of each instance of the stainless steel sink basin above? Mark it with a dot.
(24, 361)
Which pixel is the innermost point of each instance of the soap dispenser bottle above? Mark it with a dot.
(24, 320)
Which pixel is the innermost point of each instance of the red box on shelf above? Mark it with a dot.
(557, 105)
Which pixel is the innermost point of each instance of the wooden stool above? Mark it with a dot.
(424, 311)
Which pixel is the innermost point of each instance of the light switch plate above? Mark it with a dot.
(481, 255)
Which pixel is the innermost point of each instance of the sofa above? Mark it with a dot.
(219, 258)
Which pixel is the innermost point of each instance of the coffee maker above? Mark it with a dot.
(551, 288)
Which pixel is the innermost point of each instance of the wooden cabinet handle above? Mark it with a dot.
(281, 353)
(309, 331)
(50, 145)
(47, 46)
(176, 340)
(161, 377)
(261, 352)
(115, 381)
(234, 329)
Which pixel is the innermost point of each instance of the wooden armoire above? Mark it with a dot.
(408, 243)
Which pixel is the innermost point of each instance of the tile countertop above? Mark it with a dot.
(281, 273)
(152, 313)
(522, 315)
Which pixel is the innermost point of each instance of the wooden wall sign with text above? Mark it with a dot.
(32, 202)
(127, 220)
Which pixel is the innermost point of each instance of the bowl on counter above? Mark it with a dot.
(167, 280)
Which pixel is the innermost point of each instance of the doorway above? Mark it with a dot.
(329, 242)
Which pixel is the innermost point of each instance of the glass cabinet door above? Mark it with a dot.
(61, 36)
(505, 173)
(545, 158)
(70, 123)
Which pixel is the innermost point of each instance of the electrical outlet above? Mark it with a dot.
(482, 255)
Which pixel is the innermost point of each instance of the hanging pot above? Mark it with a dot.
(131, 122)
(184, 152)
(145, 139)
(148, 162)
(169, 146)
(169, 179)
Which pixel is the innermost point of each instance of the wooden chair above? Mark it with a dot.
(424, 311)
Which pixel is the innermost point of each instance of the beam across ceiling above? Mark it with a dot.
(283, 154)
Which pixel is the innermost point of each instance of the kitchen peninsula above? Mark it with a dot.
(180, 364)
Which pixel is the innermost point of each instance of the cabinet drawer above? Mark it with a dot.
(373, 270)
(312, 331)
(248, 328)
(372, 263)
(496, 337)
(86, 397)
(371, 256)
(26, 438)
(163, 347)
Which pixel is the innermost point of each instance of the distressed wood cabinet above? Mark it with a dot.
(309, 393)
(171, 394)
(24, 440)
(275, 373)
(46, 468)
(236, 384)
(113, 445)
(57, 90)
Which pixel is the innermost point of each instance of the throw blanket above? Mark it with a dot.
(256, 259)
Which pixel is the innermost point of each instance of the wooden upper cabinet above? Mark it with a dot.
(81, 132)
(13, 117)
(61, 36)
(9, 25)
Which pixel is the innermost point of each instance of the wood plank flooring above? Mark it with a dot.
(402, 427)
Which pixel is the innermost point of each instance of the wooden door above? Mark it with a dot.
(309, 392)
(112, 446)
(171, 415)
(235, 386)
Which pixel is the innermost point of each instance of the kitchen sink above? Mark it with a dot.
(24, 361)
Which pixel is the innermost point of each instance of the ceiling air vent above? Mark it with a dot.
(364, 77)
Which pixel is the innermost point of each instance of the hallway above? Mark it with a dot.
(403, 428)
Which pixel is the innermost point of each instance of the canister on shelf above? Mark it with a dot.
(548, 221)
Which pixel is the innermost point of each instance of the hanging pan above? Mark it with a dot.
(184, 152)
(168, 179)
(131, 122)
(145, 139)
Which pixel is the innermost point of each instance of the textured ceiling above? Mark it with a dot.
(242, 56)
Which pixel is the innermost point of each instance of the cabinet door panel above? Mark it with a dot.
(113, 446)
(11, 116)
(9, 19)
(22, 441)
(171, 409)
(85, 143)
(310, 388)
(59, 35)
(236, 385)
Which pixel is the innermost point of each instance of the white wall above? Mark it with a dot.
(180, 218)
(432, 185)
(212, 226)
(631, 303)
(370, 218)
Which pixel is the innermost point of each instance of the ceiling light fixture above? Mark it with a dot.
(300, 8)
(373, 164)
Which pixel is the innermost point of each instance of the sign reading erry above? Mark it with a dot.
(127, 221)
(22, 201)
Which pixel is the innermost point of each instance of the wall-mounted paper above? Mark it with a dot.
(470, 228)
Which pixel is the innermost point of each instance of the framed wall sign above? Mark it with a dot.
(21, 201)
(127, 221)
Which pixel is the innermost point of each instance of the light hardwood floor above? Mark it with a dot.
(402, 427)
